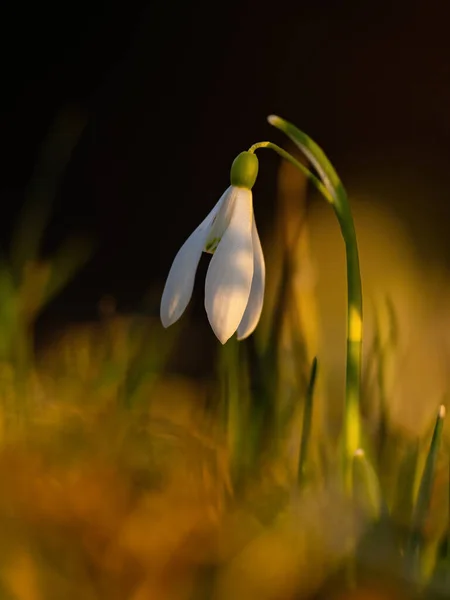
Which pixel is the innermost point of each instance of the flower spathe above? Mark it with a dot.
(234, 288)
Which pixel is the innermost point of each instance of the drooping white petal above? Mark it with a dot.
(221, 220)
(255, 302)
(180, 280)
(230, 273)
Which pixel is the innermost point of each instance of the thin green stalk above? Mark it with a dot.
(233, 416)
(306, 172)
(336, 195)
(307, 420)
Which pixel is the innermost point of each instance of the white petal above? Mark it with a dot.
(255, 302)
(180, 281)
(230, 272)
(222, 220)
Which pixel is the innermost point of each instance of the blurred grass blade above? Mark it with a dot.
(444, 546)
(71, 256)
(233, 407)
(386, 351)
(307, 419)
(365, 478)
(413, 550)
(447, 537)
(380, 378)
(276, 326)
(402, 487)
(283, 372)
(148, 360)
(52, 162)
(440, 581)
(394, 332)
(8, 312)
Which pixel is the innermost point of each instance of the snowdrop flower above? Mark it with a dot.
(234, 288)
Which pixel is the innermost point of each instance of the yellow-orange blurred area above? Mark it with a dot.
(124, 492)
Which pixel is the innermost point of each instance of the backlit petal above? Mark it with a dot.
(255, 302)
(180, 281)
(230, 272)
(222, 220)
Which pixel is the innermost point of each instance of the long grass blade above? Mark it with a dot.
(307, 421)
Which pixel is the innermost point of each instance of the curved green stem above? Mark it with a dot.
(306, 172)
(336, 195)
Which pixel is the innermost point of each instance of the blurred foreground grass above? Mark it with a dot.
(124, 481)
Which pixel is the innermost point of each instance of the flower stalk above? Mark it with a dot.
(332, 189)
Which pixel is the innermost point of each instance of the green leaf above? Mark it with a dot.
(307, 421)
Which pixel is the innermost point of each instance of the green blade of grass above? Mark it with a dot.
(415, 542)
(238, 429)
(439, 584)
(307, 420)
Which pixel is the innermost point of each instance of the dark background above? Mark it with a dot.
(173, 92)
